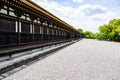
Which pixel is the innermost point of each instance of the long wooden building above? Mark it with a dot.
(24, 22)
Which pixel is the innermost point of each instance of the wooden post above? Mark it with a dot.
(32, 32)
(18, 19)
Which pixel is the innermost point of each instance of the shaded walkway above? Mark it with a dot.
(84, 60)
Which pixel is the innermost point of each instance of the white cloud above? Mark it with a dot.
(92, 9)
(86, 16)
(80, 1)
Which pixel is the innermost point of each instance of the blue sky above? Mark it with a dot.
(85, 14)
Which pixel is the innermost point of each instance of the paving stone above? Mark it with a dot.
(85, 60)
(1, 77)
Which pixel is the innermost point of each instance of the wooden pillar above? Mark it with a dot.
(44, 31)
(18, 13)
(32, 17)
(1, 6)
(50, 32)
(41, 33)
(18, 26)
(32, 31)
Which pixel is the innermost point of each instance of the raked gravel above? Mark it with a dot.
(85, 60)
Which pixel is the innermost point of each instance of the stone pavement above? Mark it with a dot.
(85, 60)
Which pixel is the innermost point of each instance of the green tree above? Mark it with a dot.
(88, 34)
(110, 31)
(81, 32)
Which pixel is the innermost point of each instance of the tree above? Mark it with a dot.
(81, 32)
(88, 34)
(110, 31)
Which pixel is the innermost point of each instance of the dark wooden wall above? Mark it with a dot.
(18, 27)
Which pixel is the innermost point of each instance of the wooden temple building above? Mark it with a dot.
(24, 22)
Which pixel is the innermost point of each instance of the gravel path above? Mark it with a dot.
(84, 60)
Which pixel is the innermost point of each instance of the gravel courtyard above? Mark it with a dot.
(85, 60)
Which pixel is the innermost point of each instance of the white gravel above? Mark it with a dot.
(84, 60)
